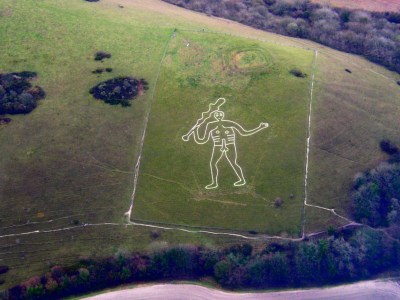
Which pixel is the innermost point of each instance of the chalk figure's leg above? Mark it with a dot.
(231, 155)
(215, 158)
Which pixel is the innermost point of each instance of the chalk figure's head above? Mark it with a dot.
(219, 115)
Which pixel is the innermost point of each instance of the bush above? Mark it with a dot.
(57, 272)
(101, 70)
(374, 191)
(119, 90)
(16, 293)
(388, 147)
(155, 234)
(100, 55)
(278, 202)
(297, 73)
(17, 96)
(178, 262)
(4, 120)
(244, 250)
(98, 71)
(4, 269)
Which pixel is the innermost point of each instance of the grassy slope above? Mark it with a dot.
(78, 131)
(73, 157)
(353, 114)
(73, 154)
(173, 173)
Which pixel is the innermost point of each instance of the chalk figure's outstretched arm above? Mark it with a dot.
(245, 132)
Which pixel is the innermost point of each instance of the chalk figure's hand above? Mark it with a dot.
(186, 137)
(264, 125)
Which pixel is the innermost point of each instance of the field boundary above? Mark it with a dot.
(305, 203)
(307, 160)
(137, 165)
(228, 232)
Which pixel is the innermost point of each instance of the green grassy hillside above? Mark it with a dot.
(255, 80)
(71, 161)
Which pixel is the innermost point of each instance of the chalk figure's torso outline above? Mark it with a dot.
(223, 135)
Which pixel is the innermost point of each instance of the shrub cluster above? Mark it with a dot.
(4, 269)
(100, 55)
(119, 90)
(341, 257)
(298, 73)
(17, 95)
(376, 192)
(371, 34)
(389, 147)
(101, 70)
(4, 120)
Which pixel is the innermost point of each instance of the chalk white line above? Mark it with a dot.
(143, 225)
(308, 141)
(307, 163)
(137, 166)
(222, 132)
(38, 223)
(130, 223)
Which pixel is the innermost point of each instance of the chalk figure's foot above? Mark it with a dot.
(240, 182)
(212, 186)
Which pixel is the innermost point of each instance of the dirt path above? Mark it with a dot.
(363, 291)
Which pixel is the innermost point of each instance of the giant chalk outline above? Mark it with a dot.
(222, 133)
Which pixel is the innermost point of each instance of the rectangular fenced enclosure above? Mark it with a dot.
(255, 79)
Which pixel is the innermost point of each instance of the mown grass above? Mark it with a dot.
(352, 114)
(255, 80)
(72, 158)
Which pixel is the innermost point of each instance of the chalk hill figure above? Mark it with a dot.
(223, 134)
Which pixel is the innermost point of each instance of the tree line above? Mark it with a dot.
(345, 255)
(376, 192)
(375, 35)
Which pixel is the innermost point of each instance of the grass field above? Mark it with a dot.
(353, 113)
(73, 155)
(72, 159)
(254, 78)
